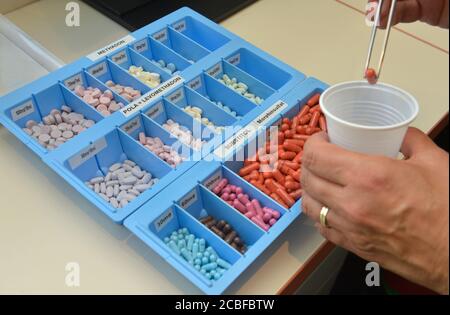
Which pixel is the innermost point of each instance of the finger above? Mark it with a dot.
(323, 191)
(312, 209)
(326, 160)
(406, 11)
(415, 142)
(334, 236)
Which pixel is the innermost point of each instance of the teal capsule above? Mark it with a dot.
(208, 275)
(186, 255)
(213, 258)
(205, 260)
(210, 266)
(212, 251)
(202, 271)
(174, 247)
(185, 231)
(166, 240)
(195, 249)
(220, 270)
(190, 241)
(197, 261)
(222, 263)
(217, 276)
(199, 255)
(180, 237)
(162, 63)
(201, 245)
(174, 238)
(181, 244)
(180, 231)
(197, 267)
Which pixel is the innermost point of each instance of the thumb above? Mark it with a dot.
(415, 143)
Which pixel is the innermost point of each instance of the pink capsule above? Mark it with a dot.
(225, 196)
(242, 198)
(250, 207)
(257, 206)
(230, 203)
(239, 206)
(217, 190)
(260, 223)
(239, 190)
(227, 190)
(250, 215)
(233, 196)
(275, 214)
(233, 188)
(267, 217)
(272, 222)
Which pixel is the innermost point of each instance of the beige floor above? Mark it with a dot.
(46, 224)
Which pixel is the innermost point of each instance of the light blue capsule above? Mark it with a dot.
(180, 231)
(217, 276)
(187, 255)
(194, 249)
(212, 251)
(199, 255)
(222, 263)
(208, 275)
(197, 267)
(162, 63)
(171, 67)
(166, 240)
(174, 247)
(213, 258)
(181, 244)
(201, 245)
(203, 271)
(197, 261)
(205, 260)
(190, 241)
(210, 266)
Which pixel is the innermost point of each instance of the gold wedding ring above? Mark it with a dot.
(323, 217)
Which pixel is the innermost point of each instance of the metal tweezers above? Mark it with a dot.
(374, 35)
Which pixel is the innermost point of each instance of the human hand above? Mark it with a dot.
(389, 211)
(433, 12)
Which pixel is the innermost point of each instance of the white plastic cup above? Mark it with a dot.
(369, 119)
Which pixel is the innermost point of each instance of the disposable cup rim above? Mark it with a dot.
(333, 88)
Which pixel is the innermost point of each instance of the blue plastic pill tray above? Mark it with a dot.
(202, 52)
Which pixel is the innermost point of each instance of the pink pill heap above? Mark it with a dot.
(103, 102)
(236, 197)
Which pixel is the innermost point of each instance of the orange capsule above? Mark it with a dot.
(288, 200)
(314, 120)
(292, 147)
(305, 119)
(293, 185)
(314, 100)
(296, 194)
(323, 123)
(248, 169)
(303, 112)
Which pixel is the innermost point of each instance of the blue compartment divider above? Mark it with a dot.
(201, 51)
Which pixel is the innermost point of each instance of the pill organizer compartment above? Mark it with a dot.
(87, 80)
(255, 86)
(217, 92)
(181, 44)
(155, 51)
(106, 70)
(95, 160)
(142, 123)
(163, 111)
(184, 97)
(200, 33)
(128, 57)
(259, 68)
(173, 219)
(201, 202)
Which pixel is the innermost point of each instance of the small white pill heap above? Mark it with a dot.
(241, 88)
(123, 183)
(183, 134)
(197, 113)
(228, 110)
(127, 92)
(152, 79)
(103, 102)
(164, 152)
(58, 127)
(169, 67)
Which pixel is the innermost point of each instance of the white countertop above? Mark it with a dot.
(46, 224)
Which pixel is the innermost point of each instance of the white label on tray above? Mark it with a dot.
(180, 26)
(87, 153)
(216, 70)
(190, 198)
(177, 96)
(22, 110)
(72, 82)
(235, 60)
(161, 36)
(236, 141)
(164, 219)
(270, 113)
(211, 182)
(146, 99)
(120, 57)
(132, 126)
(98, 70)
(196, 83)
(155, 111)
(111, 47)
(141, 45)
